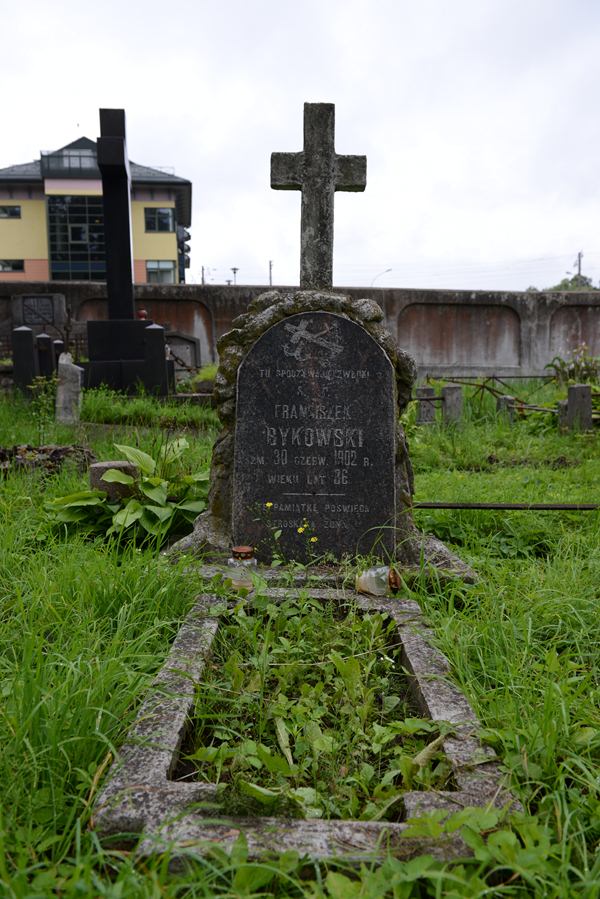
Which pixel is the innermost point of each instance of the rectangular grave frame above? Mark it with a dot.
(139, 799)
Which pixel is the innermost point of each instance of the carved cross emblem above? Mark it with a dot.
(328, 340)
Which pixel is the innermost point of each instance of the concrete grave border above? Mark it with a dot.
(140, 800)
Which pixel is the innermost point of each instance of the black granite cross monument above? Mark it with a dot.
(116, 199)
(318, 171)
(123, 352)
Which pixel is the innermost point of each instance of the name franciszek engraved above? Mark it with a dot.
(337, 437)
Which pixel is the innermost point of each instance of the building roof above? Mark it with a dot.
(31, 172)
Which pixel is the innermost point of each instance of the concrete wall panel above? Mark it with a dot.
(571, 326)
(460, 334)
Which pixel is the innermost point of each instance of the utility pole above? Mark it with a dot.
(202, 276)
(235, 270)
(578, 263)
(270, 273)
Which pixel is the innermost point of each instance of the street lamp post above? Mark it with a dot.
(384, 272)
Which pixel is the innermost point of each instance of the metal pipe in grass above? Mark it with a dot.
(525, 507)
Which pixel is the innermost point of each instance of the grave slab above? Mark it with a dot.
(141, 801)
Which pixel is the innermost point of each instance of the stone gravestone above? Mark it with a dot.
(68, 391)
(39, 310)
(309, 390)
(315, 437)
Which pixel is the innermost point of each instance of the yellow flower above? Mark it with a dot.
(301, 530)
(268, 505)
(313, 539)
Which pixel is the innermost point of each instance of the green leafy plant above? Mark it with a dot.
(161, 502)
(305, 713)
(43, 399)
(580, 367)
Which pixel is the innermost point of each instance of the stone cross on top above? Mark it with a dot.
(318, 171)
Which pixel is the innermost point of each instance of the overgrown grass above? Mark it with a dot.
(304, 713)
(85, 625)
(110, 407)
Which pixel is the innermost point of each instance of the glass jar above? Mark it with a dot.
(378, 581)
(238, 573)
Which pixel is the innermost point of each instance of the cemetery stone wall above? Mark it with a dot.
(448, 332)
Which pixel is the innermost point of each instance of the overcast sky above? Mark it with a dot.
(479, 119)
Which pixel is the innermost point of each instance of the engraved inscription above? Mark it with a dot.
(38, 310)
(314, 440)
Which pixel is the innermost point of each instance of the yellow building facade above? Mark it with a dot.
(52, 220)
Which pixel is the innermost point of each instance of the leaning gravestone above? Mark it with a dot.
(68, 390)
(309, 391)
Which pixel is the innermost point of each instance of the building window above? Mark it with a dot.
(76, 237)
(10, 212)
(12, 265)
(78, 233)
(159, 219)
(160, 271)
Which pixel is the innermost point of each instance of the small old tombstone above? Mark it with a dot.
(25, 363)
(579, 407)
(39, 310)
(184, 349)
(309, 392)
(505, 407)
(425, 405)
(113, 489)
(68, 391)
(452, 403)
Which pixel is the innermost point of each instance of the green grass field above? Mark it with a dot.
(85, 624)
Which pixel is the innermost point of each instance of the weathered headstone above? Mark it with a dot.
(35, 310)
(185, 351)
(68, 391)
(579, 407)
(452, 403)
(114, 490)
(315, 438)
(425, 405)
